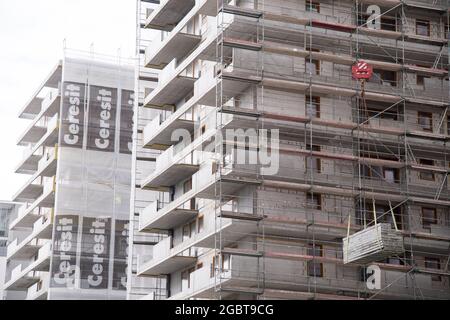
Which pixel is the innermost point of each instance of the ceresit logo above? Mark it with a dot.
(104, 133)
(98, 229)
(72, 92)
(64, 275)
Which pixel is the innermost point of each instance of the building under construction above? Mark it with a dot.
(68, 239)
(355, 157)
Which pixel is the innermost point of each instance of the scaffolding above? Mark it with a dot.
(369, 149)
(347, 160)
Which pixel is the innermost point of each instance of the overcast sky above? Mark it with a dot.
(32, 34)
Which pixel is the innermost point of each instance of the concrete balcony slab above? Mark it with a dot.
(32, 191)
(169, 94)
(166, 266)
(30, 245)
(158, 133)
(32, 135)
(153, 218)
(22, 283)
(29, 216)
(29, 192)
(176, 46)
(167, 15)
(29, 164)
(33, 107)
(169, 176)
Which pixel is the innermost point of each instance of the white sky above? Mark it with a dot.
(31, 42)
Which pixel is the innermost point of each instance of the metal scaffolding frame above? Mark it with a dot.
(365, 146)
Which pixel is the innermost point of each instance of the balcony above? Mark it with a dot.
(165, 260)
(42, 262)
(234, 81)
(50, 137)
(180, 41)
(39, 290)
(46, 168)
(33, 133)
(171, 168)
(32, 215)
(177, 44)
(40, 234)
(174, 76)
(200, 281)
(29, 162)
(168, 14)
(33, 153)
(231, 180)
(47, 164)
(38, 127)
(157, 217)
(29, 214)
(33, 107)
(30, 191)
(21, 279)
(203, 285)
(231, 229)
(173, 85)
(158, 133)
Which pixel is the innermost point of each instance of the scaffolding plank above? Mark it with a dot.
(246, 12)
(242, 252)
(240, 216)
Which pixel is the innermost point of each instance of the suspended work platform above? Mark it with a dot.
(374, 243)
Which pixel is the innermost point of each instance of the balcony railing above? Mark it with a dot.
(148, 213)
(12, 246)
(38, 289)
(45, 251)
(162, 249)
(50, 98)
(49, 156)
(52, 123)
(199, 281)
(33, 239)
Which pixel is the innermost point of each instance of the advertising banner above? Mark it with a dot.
(90, 242)
(72, 115)
(95, 246)
(102, 118)
(65, 243)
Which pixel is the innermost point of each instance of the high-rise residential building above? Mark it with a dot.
(143, 163)
(69, 239)
(7, 209)
(258, 151)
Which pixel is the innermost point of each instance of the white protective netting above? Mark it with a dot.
(93, 182)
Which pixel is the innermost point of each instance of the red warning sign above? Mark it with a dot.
(362, 70)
